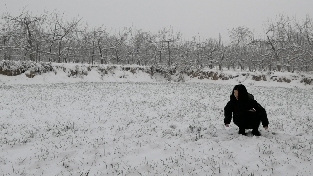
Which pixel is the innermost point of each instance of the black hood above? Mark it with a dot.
(243, 94)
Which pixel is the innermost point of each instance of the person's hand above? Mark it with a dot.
(266, 127)
(252, 110)
(227, 125)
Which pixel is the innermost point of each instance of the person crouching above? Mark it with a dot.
(246, 112)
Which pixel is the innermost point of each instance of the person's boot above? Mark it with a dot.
(242, 131)
(256, 132)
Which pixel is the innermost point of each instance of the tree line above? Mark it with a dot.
(287, 45)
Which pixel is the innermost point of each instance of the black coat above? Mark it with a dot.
(236, 110)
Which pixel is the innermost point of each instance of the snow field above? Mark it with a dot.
(149, 129)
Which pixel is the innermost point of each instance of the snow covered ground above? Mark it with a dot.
(55, 125)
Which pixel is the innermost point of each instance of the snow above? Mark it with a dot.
(135, 124)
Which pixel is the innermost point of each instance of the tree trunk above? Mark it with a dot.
(160, 56)
(116, 55)
(100, 52)
(93, 52)
(29, 40)
(37, 51)
(59, 53)
(169, 54)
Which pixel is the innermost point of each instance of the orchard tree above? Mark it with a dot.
(241, 36)
(102, 44)
(209, 50)
(139, 40)
(61, 35)
(96, 44)
(26, 29)
(145, 47)
(117, 44)
(6, 36)
(281, 41)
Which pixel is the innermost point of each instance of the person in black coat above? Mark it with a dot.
(246, 112)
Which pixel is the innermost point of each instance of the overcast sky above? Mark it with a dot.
(204, 18)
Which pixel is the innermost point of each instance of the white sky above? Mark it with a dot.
(204, 18)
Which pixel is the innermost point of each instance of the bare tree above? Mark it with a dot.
(5, 37)
(101, 39)
(27, 32)
(118, 45)
(60, 36)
